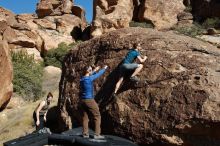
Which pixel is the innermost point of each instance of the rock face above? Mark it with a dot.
(162, 13)
(206, 8)
(6, 16)
(185, 19)
(110, 15)
(54, 7)
(37, 35)
(80, 12)
(180, 104)
(60, 29)
(213, 39)
(6, 87)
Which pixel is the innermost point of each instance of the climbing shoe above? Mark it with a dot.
(141, 83)
(134, 79)
(114, 96)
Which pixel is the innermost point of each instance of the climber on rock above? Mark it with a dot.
(87, 101)
(128, 65)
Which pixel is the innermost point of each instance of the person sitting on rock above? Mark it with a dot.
(128, 64)
(40, 113)
(88, 103)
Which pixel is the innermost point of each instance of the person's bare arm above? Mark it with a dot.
(142, 59)
(38, 110)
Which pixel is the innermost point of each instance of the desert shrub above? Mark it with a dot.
(211, 23)
(28, 73)
(198, 28)
(141, 24)
(54, 57)
(194, 30)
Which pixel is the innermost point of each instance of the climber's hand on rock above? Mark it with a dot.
(96, 68)
(105, 67)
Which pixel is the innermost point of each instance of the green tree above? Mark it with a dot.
(28, 74)
(54, 57)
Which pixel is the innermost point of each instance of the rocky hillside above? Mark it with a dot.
(161, 14)
(180, 104)
(111, 14)
(55, 22)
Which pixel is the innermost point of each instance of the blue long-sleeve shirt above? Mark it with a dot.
(86, 85)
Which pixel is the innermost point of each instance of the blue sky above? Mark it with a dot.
(29, 6)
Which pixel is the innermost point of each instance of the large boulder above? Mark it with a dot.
(54, 7)
(23, 38)
(52, 38)
(206, 8)
(6, 87)
(9, 34)
(44, 8)
(80, 12)
(213, 39)
(110, 15)
(180, 103)
(45, 23)
(161, 13)
(67, 6)
(185, 19)
(23, 41)
(7, 16)
(57, 29)
(67, 23)
(28, 19)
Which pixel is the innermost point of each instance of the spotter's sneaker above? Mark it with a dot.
(99, 137)
(85, 136)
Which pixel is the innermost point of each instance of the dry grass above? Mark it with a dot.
(17, 121)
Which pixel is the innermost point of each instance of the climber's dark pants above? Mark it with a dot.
(90, 107)
(41, 118)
